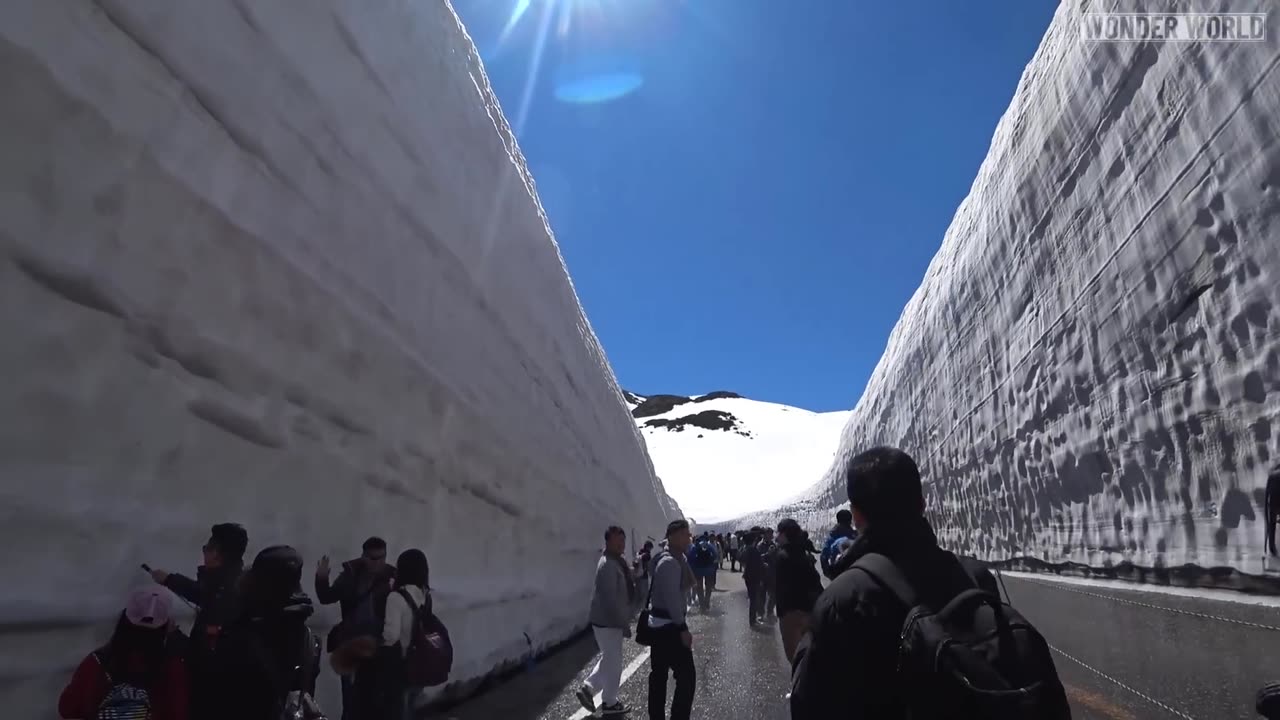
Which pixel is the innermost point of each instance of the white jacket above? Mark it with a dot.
(398, 625)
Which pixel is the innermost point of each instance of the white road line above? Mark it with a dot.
(627, 672)
(1179, 611)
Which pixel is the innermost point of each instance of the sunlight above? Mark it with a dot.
(610, 77)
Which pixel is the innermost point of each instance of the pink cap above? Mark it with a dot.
(148, 607)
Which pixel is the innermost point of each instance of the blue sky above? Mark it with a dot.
(763, 195)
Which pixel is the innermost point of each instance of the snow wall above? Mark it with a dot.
(283, 264)
(1090, 369)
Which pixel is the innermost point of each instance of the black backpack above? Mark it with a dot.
(975, 658)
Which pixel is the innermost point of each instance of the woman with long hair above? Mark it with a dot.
(138, 673)
(412, 593)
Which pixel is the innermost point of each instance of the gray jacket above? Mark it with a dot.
(612, 599)
(670, 591)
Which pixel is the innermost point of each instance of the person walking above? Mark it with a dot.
(834, 545)
(734, 542)
(703, 560)
(612, 600)
(769, 555)
(798, 584)
(859, 658)
(672, 643)
(753, 575)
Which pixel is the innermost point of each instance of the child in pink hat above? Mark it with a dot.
(137, 673)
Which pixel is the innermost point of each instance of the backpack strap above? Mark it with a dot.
(887, 575)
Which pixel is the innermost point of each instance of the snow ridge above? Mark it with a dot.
(283, 264)
(1090, 369)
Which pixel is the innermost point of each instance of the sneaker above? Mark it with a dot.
(614, 710)
(584, 697)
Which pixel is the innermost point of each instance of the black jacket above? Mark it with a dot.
(753, 569)
(798, 583)
(353, 584)
(846, 665)
(267, 652)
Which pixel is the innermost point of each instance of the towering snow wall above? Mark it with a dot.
(1090, 370)
(282, 264)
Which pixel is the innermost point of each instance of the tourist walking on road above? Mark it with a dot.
(672, 644)
(979, 659)
(393, 695)
(798, 584)
(734, 542)
(613, 600)
(769, 555)
(843, 531)
(753, 574)
(703, 560)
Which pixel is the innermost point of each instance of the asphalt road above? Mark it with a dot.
(1128, 654)
(742, 673)
(1123, 653)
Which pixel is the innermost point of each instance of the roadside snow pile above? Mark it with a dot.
(282, 264)
(724, 455)
(1090, 370)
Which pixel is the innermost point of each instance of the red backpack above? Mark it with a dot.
(429, 657)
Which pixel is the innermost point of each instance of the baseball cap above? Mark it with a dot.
(148, 607)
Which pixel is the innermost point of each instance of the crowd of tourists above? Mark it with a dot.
(250, 653)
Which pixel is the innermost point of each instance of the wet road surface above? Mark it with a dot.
(742, 673)
(1123, 653)
(1129, 654)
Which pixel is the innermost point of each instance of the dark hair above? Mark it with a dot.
(790, 529)
(130, 643)
(412, 569)
(884, 482)
(374, 543)
(648, 544)
(231, 540)
(613, 530)
(844, 517)
(676, 526)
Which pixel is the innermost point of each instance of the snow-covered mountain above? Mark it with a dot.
(722, 455)
(1090, 369)
(282, 264)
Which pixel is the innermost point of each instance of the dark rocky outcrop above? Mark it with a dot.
(631, 397)
(707, 419)
(658, 404)
(718, 395)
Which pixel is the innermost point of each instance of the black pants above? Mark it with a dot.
(755, 599)
(669, 655)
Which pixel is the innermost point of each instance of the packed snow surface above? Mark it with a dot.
(1090, 369)
(282, 264)
(727, 456)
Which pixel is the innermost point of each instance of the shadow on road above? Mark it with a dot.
(527, 695)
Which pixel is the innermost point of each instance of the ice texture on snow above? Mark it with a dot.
(283, 264)
(1090, 369)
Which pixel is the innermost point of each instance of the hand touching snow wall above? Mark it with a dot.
(282, 264)
(1090, 370)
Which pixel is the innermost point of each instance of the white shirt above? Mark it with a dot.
(733, 542)
(398, 625)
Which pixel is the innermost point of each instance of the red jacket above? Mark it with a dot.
(89, 686)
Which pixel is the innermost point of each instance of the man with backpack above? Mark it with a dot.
(908, 630)
(704, 560)
(213, 592)
(361, 590)
(832, 548)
